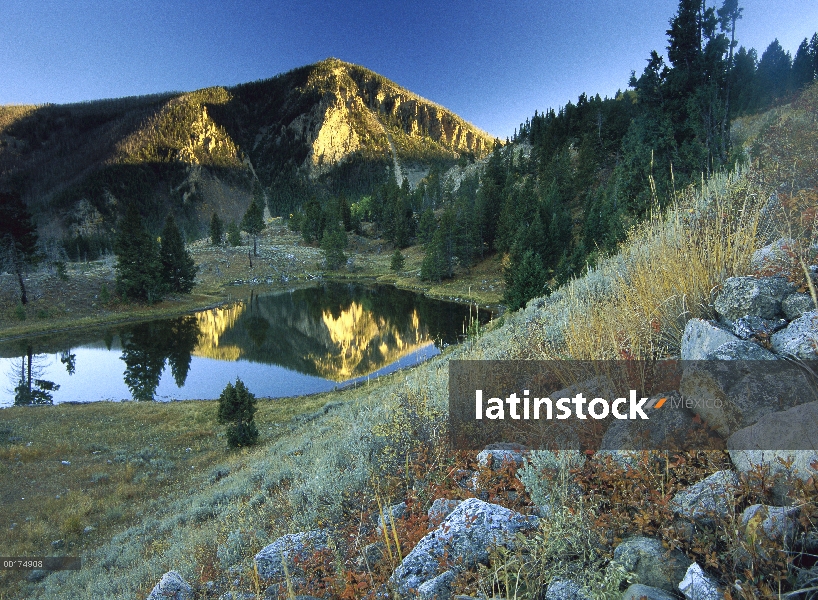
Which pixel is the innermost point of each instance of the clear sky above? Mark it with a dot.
(493, 62)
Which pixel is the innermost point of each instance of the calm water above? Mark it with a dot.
(299, 342)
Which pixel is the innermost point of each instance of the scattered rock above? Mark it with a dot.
(800, 338)
(171, 587)
(764, 524)
(440, 509)
(796, 305)
(65, 463)
(707, 500)
(742, 296)
(462, 540)
(665, 429)
(637, 591)
(57, 544)
(646, 558)
(392, 513)
(698, 586)
(287, 548)
(702, 337)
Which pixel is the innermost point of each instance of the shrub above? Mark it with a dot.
(237, 406)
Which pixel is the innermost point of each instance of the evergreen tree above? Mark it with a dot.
(398, 260)
(774, 70)
(138, 268)
(803, 66)
(18, 238)
(233, 234)
(525, 279)
(178, 268)
(237, 407)
(253, 221)
(333, 244)
(216, 230)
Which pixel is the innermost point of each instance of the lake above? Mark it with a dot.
(299, 342)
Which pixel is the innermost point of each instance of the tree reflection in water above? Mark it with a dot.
(146, 347)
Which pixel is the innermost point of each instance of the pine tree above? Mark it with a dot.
(178, 268)
(216, 230)
(525, 279)
(139, 268)
(253, 222)
(333, 244)
(237, 407)
(398, 260)
(18, 238)
(233, 234)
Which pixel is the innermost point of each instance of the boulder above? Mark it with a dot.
(287, 548)
(740, 350)
(752, 326)
(761, 297)
(439, 588)
(565, 589)
(702, 337)
(698, 586)
(764, 524)
(708, 500)
(796, 305)
(732, 394)
(462, 540)
(171, 587)
(440, 509)
(637, 591)
(394, 512)
(646, 558)
(496, 455)
(666, 429)
(800, 338)
(777, 258)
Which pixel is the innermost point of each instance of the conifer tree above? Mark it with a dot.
(398, 260)
(178, 268)
(233, 234)
(216, 230)
(18, 237)
(139, 268)
(333, 244)
(253, 222)
(237, 407)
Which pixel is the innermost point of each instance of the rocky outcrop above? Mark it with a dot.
(708, 500)
(645, 557)
(742, 296)
(172, 586)
(272, 560)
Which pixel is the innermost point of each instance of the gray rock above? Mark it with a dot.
(462, 540)
(742, 296)
(774, 259)
(732, 394)
(752, 326)
(796, 305)
(57, 544)
(237, 596)
(646, 558)
(764, 524)
(439, 588)
(392, 513)
(638, 591)
(286, 548)
(440, 509)
(667, 428)
(740, 350)
(495, 455)
(565, 589)
(801, 461)
(800, 338)
(708, 500)
(698, 586)
(702, 337)
(171, 587)
(36, 575)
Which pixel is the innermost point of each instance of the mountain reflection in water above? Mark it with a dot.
(313, 337)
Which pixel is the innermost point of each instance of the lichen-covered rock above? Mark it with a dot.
(637, 591)
(752, 326)
(392, 514)
(287, 548)
(774, 259)
(800, 338)
(171, 587)
(796, 305)
(439, 588)
(565, 589)
(496, 455)
(440, 509)
(708, 500)
(696, 585)
(702, 337)
(762, 297)
(764, 524)
(462, 540)
(740, 350)
(646, 558)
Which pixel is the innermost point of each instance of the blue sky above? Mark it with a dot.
(492, 62)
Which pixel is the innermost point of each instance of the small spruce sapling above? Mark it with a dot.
(236, 409)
